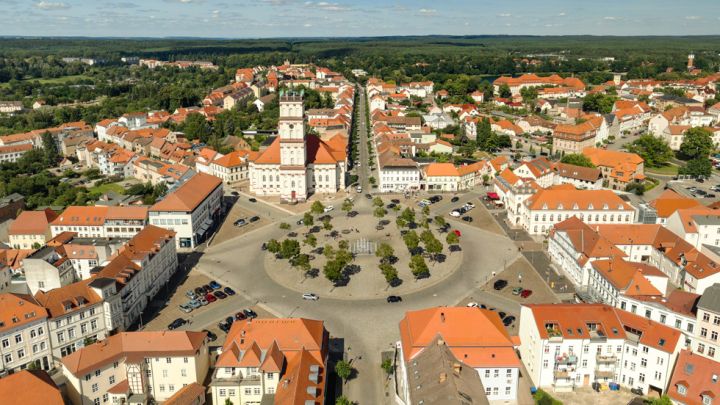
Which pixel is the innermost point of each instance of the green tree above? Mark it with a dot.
(343, 256)
(228, 401)
(529, 94)
(289, 248)
(387, 365)
(389, 271)
(343, 244)
(697, 143)
(426, 210)
(284, 226)
(408, 215)
(654, 151)
(317, 208)
(347, 206)
(273, 246)
(310, 240)
(577, 159)
(418, 266)
(343, 369)
(452, 238)
(697, 167)
(384, 250)
(50, 149)
(329, 252)
(301, 261)
(411, 240)
(196, 126)
(440, 221)
(598, 102)
(484, 135)
(504, 91)
(378, 202)
(308, 219)
(400, 222)
(434, 247)
(379, 212)
(333, 270)
(343, 400)
(327, 225)
(663, 400)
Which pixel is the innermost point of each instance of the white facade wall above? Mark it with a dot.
(399, 179)
(25, 344)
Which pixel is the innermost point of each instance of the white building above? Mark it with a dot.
(100, 221)
(397, 174)
(136, 366)
(540, 170)
(678, 310)
(190, 210)
(13, 153)
(232, 167)
(295, 166)
(574, 345)
(698, 226)
(707, 333)
(475, 336)
(24, 335)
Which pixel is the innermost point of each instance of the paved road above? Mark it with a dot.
(363, 170)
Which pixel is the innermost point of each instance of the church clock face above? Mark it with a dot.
(292, 126)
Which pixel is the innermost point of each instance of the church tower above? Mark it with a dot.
(293, 154)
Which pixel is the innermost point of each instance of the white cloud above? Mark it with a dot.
(611, 18)
(307, 25)
(324, 5)
(48, 5)
(562, 14)
(427, 11)
(693, 17)
(504, 15)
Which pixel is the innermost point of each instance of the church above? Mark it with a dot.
(296, 165)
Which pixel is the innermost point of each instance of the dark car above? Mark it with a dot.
(500, 284)
(229, 291)
(224, 327)
(384, 222)
(637, 391)
(455, 199)
(234, 193)
(507, 321)
(211, 337)
(314, 229)
(395, 201)
(220, 294)
(254, 219)
(263, 247)
(435, 198)
(455, 248)
(210, 298)
(467, 218)
(207, 288)
(199, 291)
(214, 285)
(240, 316)
(229, 320)
(502, 315)
(250, 313)
(176, 323)
(391, 206)
(394, 298)
(368, 196)
(352, 214)
(252, 200)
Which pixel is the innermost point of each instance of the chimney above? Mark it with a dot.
(443, 378)
(442, 317)
(457, 368)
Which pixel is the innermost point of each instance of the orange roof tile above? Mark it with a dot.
(670, 201)
(441, 170)
(570, 200)
(189, 195)
(67, 299)
(187, 395)
(627, 277)
(695, 373)
(32, 222)
(19, 309)
(30, 387)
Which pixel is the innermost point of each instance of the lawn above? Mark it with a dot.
(54, 80)
(104, 188)
(666, 170)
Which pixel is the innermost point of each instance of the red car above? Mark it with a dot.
(457, 233)
(210, 298)
(526, 293)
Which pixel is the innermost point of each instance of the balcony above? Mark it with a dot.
(567, 360)
(561, 374)
(606, 358)
(597, 335)
(604, 374)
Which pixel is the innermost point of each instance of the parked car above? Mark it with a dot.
(229, 320)
(517, 290)
(310, 297)
(395, 201)
(234, 193)
(191, 294)
(176, 323)
(368, 196)
(394, 298)
(263, 247)
(223, 326)
(507, 321)
(250, 313)
(185, 308)
(240, 316)
(469, 205)
(252, 200)
(207, 288)
(500, 284)
(214, 285)
(199, 291)
(211, 337)
(301, 222)
(473, 305)
(194, 304)
(352, 214)
(435, 199)
(229, 291)
(328, 208)
(467, 218)
(526, 293)
(455, 213)
(455, 199)
(254, 219)
(637, 391)
(502, 315)
(202, 301)
(210, 298)
(220, 294)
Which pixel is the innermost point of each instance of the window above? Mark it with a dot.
(94, 387)
(487, 373)
(96, 401)
(645, 349)
(87, 377)
(165, 373)
(641, 377)
(703, 332)
(185, 360)
(713, 335)
(271, 390)
(706, 317)
(111, 380)
(701, 348)
(248, 391)
(183, 372)
(507, 390)
(584, 363)
(658, 375)
(643, 362)
(487, 390)
(93, 324)
(171, 387)
(256, 391)
(168, 360)
(662, 318)
(682, 390)
(495, 390)
(545, 363)
(716, 320)
(648, 313)
(5, 343)
(60, 337)
(115, 365)
(71, 333)
(496, 373)
(711, 351)
(105, 397)
(18, 338)
(21, 353)
(270, 376)
(508, 373)
(231, 392)
(8, 358)
(678, 324)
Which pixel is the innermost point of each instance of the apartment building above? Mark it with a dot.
(708, 324)
(447, 177)
(136, 367)
(280, 361)
(101, 221)
(190, 210)
(611, 278)
(573, 138)
(31, 229)
(232, 167)
(572, 345)
(397, 174)
(13, 153)
(694, 380)
(580, 177)
(619, 169)
(24, 335)
(540, 170)
(678, 310)
(699, 226)
(485, 347)
(75, 317)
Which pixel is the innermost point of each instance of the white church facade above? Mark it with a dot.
(295, 165)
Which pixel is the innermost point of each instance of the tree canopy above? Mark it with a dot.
(653, 150)
(577, 159)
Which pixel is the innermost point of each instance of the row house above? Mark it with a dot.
(539, 170)
(13, 153)
(190, 210)
(397, 174)
(536, 125)
(575, 138)
(446, 177)
(667, 203)
(281, 361)
(699, 226)
(31, 229)
(232, 167)
(694, 380)
(611, 278)
(532, 80)
(417, 89)
(154, 171)
(24, 336)
(506, 127)
(136, 367)
(550, 206)
(574, 345)
(109, 158)
(76, 317)
(203, 158)
(486, 347)
(66, 259)
(629, 118)
(618, 168)
(707, 333)
(580, 177)
(101, 221)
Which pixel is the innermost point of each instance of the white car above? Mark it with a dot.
(310, 297)
(328, 208)
(359, 189)
(455, 213)
(473, 305)
(469, 206)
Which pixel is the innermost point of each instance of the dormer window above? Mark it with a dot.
(707, 400)
(682, 390)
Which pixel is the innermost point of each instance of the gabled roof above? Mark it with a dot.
(670, 201)
(30, 387)
(67, 299)
(582, 173)
(586, 241)
(19, 309)
(627, 277)
(698, 375)
(555, 198)
(32, 222)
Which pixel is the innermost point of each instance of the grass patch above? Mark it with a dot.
(543, 398)
(104, 188)
(666, 170)
(53, 80)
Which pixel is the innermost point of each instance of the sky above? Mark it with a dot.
(344, 18)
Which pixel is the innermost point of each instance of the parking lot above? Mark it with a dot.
(229, 230)
(520, 274)
(481, 218)
(706, 192)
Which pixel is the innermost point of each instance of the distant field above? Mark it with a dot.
(54, 80)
